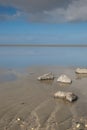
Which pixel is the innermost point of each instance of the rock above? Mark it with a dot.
(81, 71)
(69, 96)
(86, 125)
(48, 76)
(18, 119)
(64, 79)
(78, 125)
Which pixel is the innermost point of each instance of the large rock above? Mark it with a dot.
(81, 71)
(69, 96)
(48, 76)
(64, 79)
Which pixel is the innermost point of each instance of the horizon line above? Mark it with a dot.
(44, 45)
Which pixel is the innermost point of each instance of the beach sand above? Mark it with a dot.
(28, 104)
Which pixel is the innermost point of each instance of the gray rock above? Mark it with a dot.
(48, 76)
(69, 96)
(64, 79)
(81, 71)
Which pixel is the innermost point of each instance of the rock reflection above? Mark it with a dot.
(80, 76)
(47, 82)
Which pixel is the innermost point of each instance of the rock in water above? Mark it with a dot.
(81, 71)
(64, 79)
(48, 76)
(69, 96)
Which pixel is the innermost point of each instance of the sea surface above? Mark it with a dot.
(22, 56)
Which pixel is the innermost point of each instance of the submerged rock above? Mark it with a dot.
(64, 79)
(69, 96)
(48, 76)
(81, 71)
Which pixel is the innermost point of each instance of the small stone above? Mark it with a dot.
(86, 125)
(81, 71)
(64, 79)
(78, 125)
(48, 76)
(18, 119)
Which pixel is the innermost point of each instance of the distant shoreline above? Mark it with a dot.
(43, 45)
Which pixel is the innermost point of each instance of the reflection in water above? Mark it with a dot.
(13, 57)
(63, 84)
(7, 77)
(80, 76)
(46, 82)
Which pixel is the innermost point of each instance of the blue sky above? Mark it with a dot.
(20, 23)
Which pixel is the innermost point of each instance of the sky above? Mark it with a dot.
(43, 21)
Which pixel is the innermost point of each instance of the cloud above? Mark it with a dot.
(33, 6)
(75, 11)
(52, 11)
(4, 17)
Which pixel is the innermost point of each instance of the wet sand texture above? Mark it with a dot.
(28, 104)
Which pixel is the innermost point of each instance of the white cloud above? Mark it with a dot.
(52, 11)
(76, 11)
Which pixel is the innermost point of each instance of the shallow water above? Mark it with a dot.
(7, 77)
(14, 57)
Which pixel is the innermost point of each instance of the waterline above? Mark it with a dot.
(43, 45)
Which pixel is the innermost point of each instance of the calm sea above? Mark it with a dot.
(12, 57)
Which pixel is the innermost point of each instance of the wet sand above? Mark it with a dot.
(28, 104)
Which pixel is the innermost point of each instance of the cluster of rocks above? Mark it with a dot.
(49, 76)
(69, 96)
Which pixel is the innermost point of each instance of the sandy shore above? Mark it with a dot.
(28, 104)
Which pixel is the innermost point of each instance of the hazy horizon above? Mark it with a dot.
(25, 56)
(44, 45)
